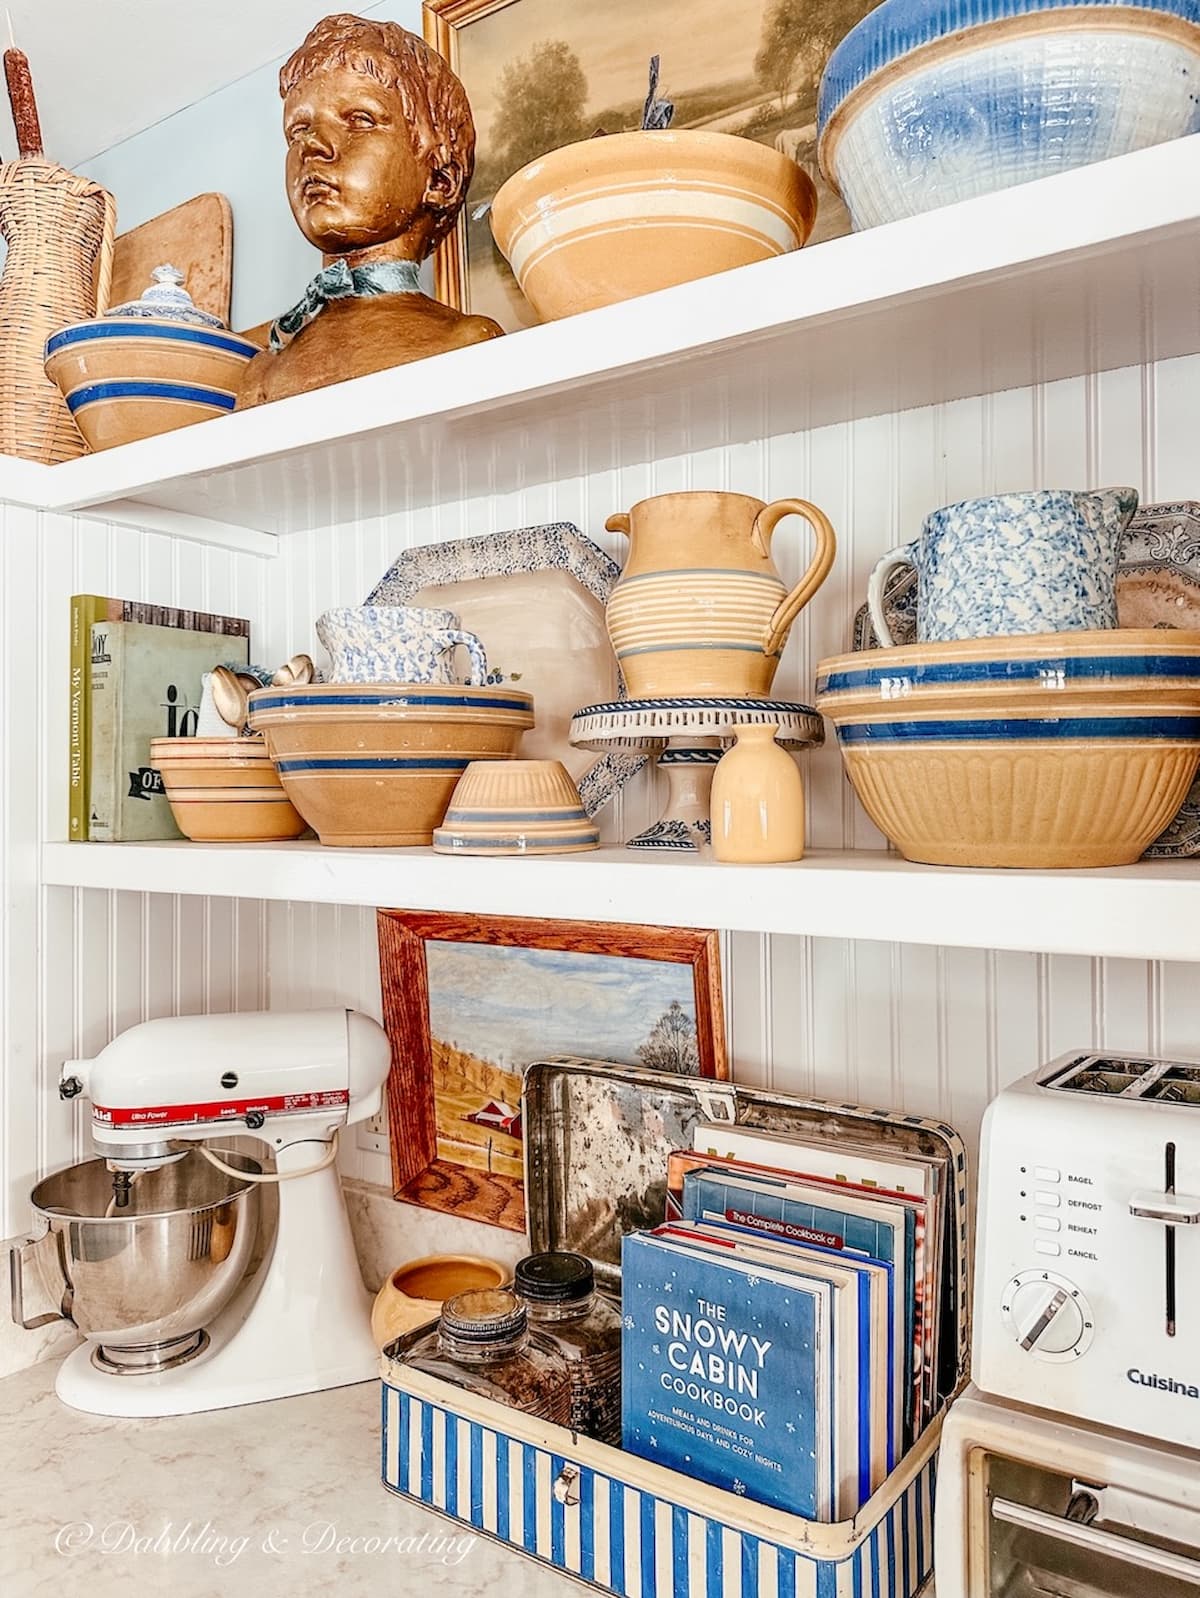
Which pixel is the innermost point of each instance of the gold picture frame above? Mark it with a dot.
(771, 52)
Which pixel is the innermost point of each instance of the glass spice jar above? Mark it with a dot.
(483, 1343)
(559, 1291)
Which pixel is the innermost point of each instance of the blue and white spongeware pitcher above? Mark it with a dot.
(1039, 562)
(397, 643)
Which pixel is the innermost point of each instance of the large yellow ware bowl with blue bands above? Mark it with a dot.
(147, 368)
(1056, 750)
(374, 764)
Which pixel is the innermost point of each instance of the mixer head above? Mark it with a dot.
(285, 1077)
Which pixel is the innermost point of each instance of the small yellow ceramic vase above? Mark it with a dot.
(757, 801)
(414, 1294)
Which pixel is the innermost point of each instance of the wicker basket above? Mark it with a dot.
(60, 229)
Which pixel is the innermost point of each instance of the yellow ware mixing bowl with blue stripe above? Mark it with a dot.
(148, 367)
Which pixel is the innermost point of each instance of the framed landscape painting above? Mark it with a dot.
(469, 1001)
(543, 73)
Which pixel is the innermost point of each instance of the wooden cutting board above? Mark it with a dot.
(197, 237)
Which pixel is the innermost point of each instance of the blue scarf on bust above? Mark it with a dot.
(341, 282)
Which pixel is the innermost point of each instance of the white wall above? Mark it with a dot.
(78, 966)
(232, 142)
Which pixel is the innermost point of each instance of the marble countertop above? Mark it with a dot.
(283, 1497)
(271, 1498)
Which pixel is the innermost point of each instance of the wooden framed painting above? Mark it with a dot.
(543, 73)
(469, 1001)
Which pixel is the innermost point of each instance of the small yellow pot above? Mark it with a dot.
(413, 1294)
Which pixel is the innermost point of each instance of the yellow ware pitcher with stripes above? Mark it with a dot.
(700, 609)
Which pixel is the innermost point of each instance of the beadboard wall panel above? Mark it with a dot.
(77, 966)
(930, 1030)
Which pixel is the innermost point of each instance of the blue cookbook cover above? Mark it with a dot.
(871, 1228)
(725, 1373)
(861, 1351)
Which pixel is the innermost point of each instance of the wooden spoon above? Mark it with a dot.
(298, 670)
(229, 698)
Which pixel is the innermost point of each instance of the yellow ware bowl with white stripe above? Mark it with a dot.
(609, 218)
(225, 790)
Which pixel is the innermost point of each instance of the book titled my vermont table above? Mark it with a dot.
(725, 1373)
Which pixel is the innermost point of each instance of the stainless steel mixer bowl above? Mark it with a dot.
(160, 1268)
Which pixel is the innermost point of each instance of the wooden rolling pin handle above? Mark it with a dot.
(23, 103)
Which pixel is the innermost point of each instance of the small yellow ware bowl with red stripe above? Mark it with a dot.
(225, 790)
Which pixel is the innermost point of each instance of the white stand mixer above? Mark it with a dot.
(301, 1322)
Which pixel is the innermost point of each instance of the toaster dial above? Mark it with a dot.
(1047, 1315)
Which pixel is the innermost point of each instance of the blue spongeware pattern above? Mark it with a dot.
(926, 102)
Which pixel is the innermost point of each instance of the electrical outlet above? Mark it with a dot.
(373, 1133)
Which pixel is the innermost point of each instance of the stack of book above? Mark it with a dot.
(137, 673)
(781, 1326)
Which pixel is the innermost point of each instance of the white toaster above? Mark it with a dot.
(1087, 1284)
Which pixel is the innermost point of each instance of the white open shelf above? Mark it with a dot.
(1146, 912)
(1091, 270)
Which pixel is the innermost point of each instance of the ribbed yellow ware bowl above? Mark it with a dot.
(1054, 751)
(515, 807)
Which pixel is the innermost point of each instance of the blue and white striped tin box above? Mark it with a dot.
(621, 1523)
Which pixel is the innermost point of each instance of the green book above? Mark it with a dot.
(146, 683)
(87, 609)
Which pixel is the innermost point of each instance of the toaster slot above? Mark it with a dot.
(1104, 1077)
(1178, 1084)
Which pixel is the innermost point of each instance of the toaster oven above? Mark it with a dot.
(1032, 1506)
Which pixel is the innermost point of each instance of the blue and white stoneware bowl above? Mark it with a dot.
(148, 367)
(1063, 750)
(926, 102)
(397, 643)
(1039, 562)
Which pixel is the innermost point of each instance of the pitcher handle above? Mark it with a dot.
(826, 540)
(902, 555)
(473, 647)
(619, 522)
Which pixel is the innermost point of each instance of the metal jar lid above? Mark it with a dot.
(483, 1315)
(556, 1277)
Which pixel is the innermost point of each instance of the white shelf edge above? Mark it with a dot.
(1145, 912)
(1133, 202)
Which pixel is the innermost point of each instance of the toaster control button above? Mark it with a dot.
(1051, 1201)
(1046, 1173)
(1047, 1223)
(1043, 1245)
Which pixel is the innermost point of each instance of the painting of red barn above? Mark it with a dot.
(469, 1001)
(497, 1115)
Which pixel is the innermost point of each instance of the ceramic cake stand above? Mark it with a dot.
(689, 736)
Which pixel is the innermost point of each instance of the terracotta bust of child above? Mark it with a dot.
(381, 147)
